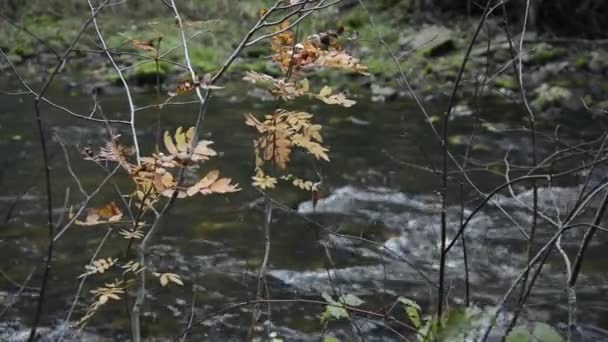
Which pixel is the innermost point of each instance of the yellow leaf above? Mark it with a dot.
(305, 85)
(164, 280)
(264, 182)
(103, 299)
(113, 296)
(175, 278)
(190, 134)
(169, 144)
(180, 140)
(338, 99)
(325, 91)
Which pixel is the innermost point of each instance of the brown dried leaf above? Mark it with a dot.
(107, 214)
(340, 99)
(222, 186)
(184, 86)
(202, 151)
(145, 45)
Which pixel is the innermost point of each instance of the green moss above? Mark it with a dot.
(24, 49)
(150, 68)
(145, 73)
(355, 20)
(547, 95)
(206, 59)
(504, 81)
(581, 62)
(379, 66)
(544, 53)
(368, 231)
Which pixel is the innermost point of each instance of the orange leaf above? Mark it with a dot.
(147, 45)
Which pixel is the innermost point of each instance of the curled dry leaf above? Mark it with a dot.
(107, 214)
(144, 45)
(183, 86)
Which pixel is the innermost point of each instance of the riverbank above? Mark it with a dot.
(558, 72)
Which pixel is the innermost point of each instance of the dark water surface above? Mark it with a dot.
(216, 242)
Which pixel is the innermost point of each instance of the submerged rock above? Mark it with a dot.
(433, 41)
(547, 96)
(461, 110)
(598, 61)
(383, 93)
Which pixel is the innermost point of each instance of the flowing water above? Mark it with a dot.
(371, 190)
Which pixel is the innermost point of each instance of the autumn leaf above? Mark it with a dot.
(301, 183)
(255, 77)
(144, 45)
(340, 99)
(222, 186)
(283, 39)
(133, 267)
(340, 59)
(106, 214)
(281, 88)
(166, 278)
(131, 234)
(98, 266)
(251, 120)
(182, 87)
(180, 146)
(211, 183)
(311, 146)
(281, 132)
(112, 151)
(263, 181)
(321, 49)
(325, 91)
(110, 291)
(202, 151)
